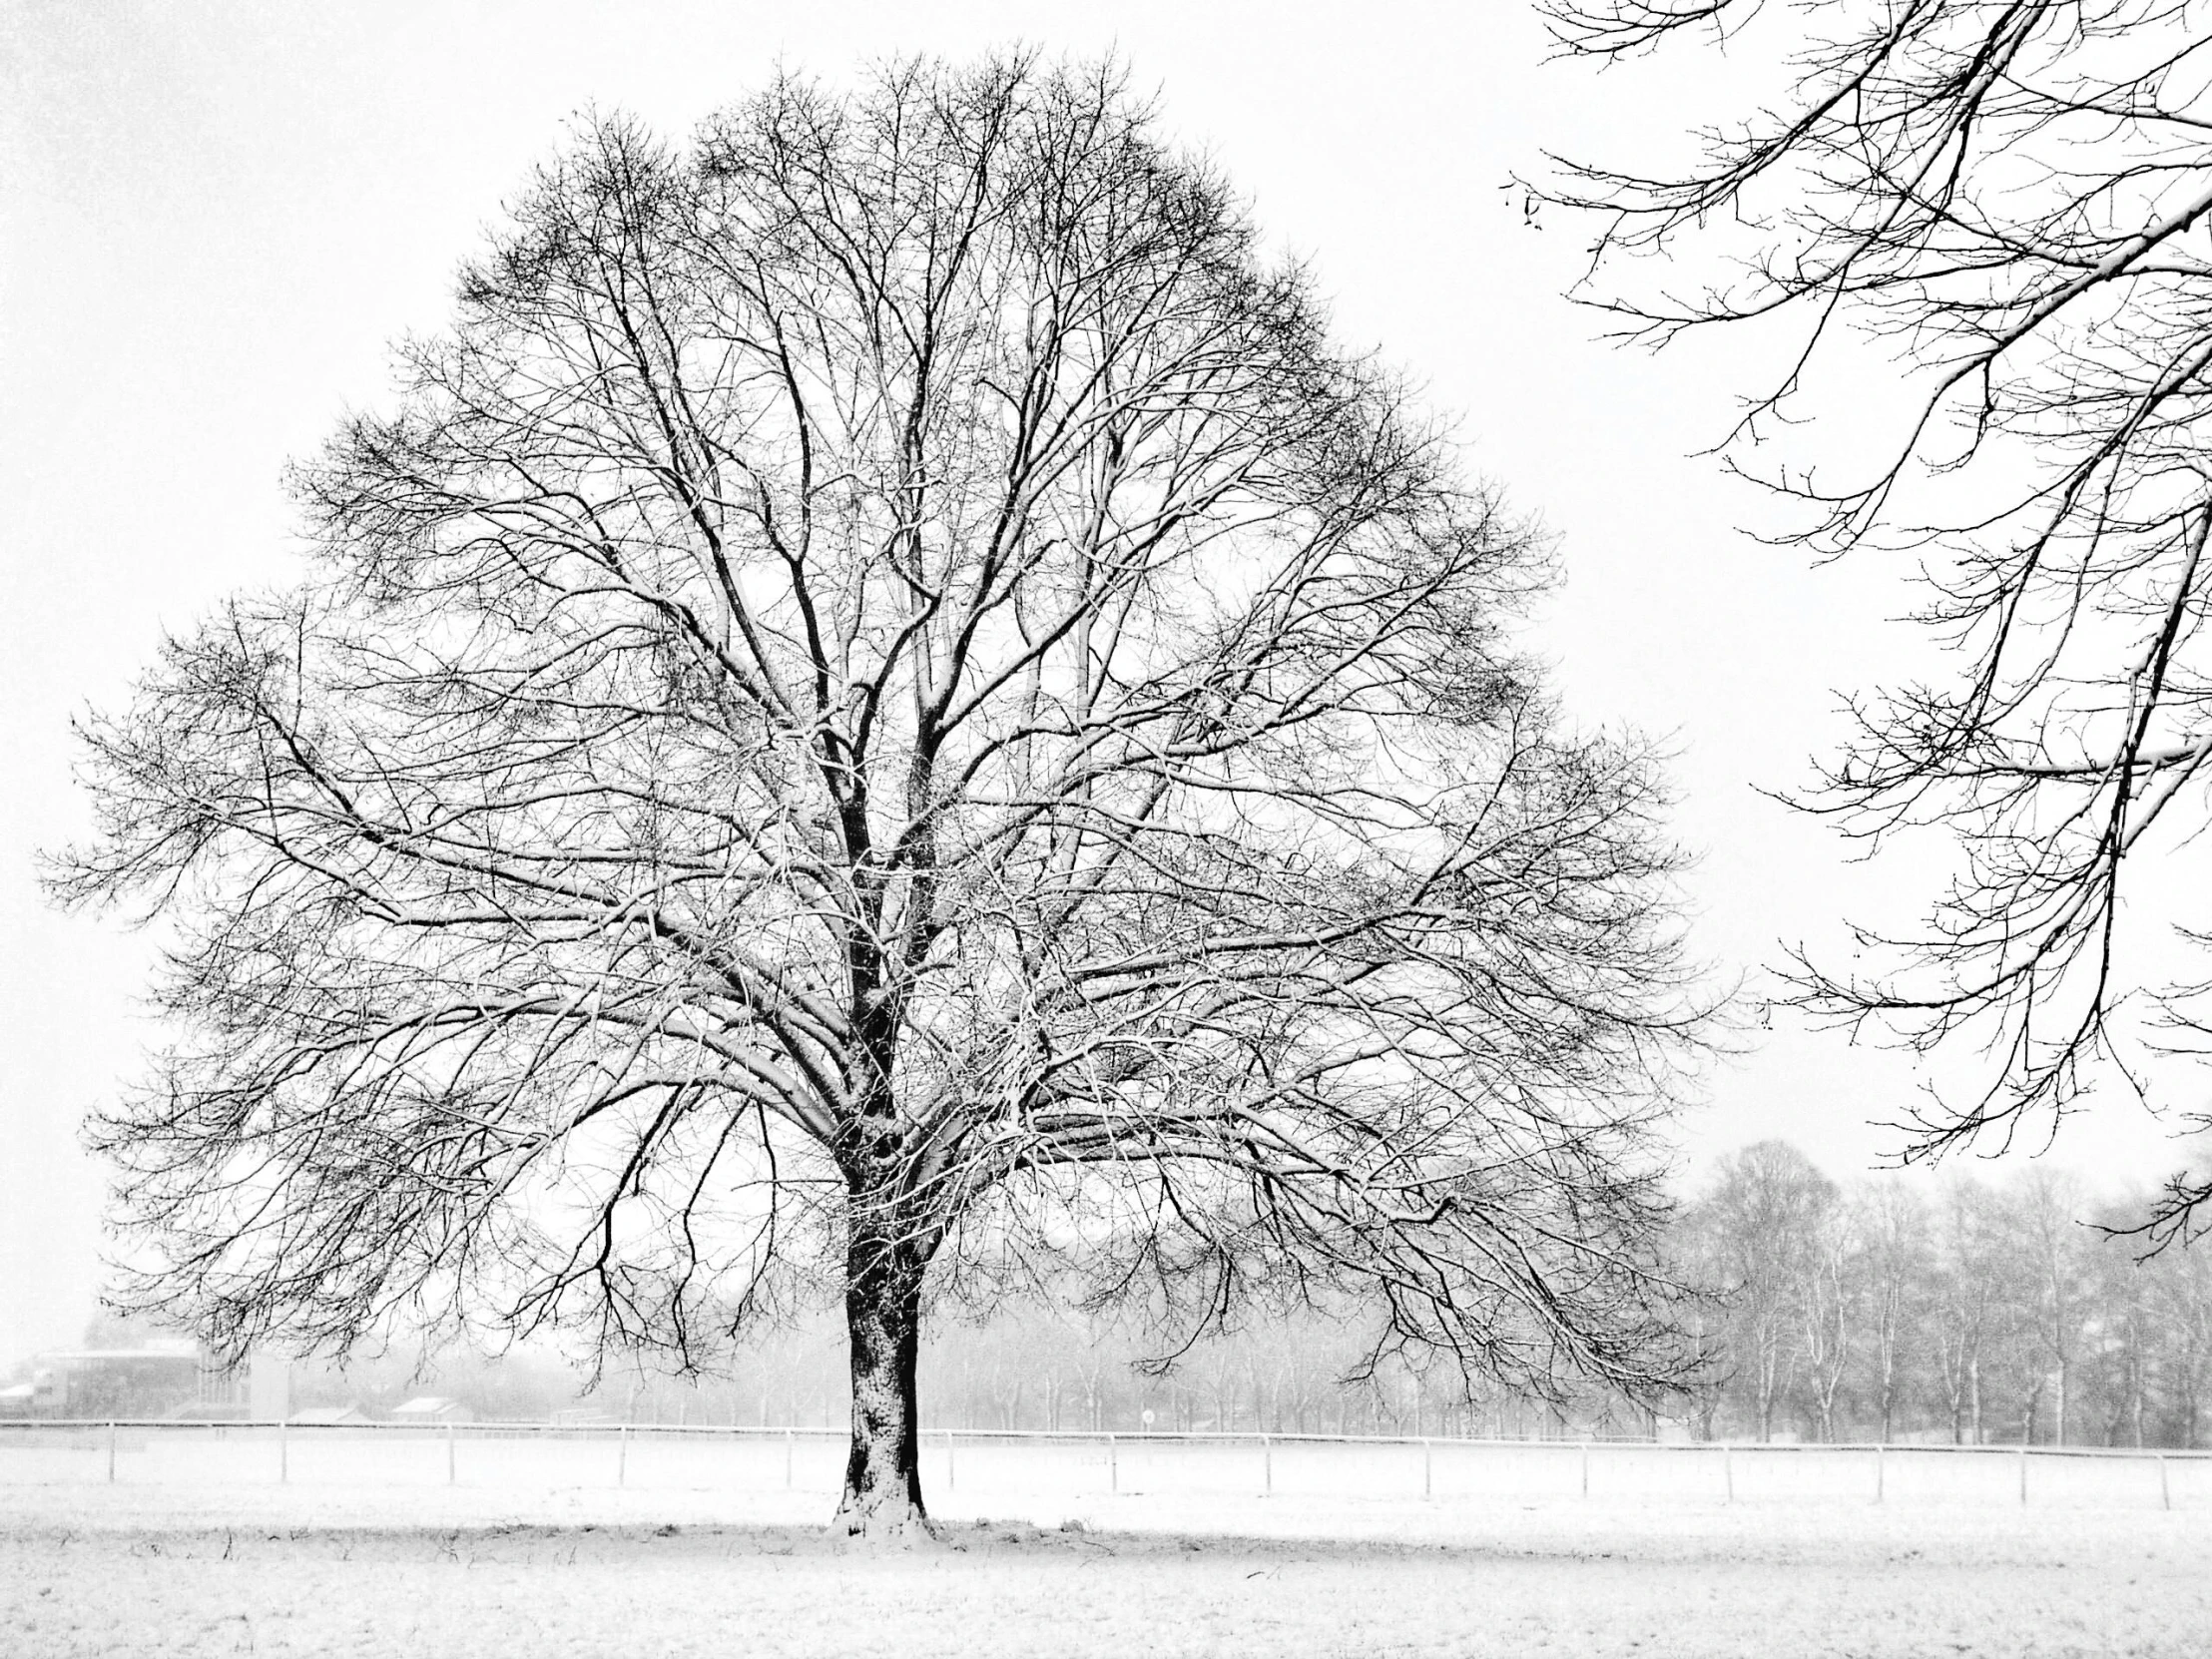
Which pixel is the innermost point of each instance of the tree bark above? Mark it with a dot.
(881, 1503)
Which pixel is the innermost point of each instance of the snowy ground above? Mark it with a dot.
(675, 1565)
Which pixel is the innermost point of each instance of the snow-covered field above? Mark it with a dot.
(705, 1553)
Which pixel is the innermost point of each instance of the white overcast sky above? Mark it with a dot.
(214, 217)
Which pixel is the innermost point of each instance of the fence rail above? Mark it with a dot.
(1073, 1465)
(1250, 1436)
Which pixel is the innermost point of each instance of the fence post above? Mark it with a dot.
(948, 1461)
(1728, 1468)
(1585, 1468)
(1267, 1467)
(283, 1452)
(622, 1455)
(1427, 1471)
(790, 1440)
(111, 1448)
(1878, 1472)
(1113, 1466)
(450, 1452)
(2165, 1492)
(2023, 1471)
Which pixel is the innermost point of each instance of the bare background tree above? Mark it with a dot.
(887, 708)
(2011, 202)
(1976, 1313)
(1759, 1227)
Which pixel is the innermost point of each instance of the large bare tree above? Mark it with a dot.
(885, 703)
(2011, 202)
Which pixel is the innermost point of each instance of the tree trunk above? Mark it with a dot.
(883, 1311)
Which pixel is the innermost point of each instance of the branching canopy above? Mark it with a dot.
(884, 679)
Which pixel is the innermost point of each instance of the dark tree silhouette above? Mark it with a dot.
(884, 705)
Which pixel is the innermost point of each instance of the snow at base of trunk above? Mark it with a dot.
(886, 1521)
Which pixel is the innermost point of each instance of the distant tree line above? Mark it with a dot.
(1975, 1312)
(1880, 1307)
(1968, 1311)
(1032, 1367)
(1043, 1368)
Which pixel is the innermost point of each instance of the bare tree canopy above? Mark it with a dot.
(2009, 200)
(883, 706)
